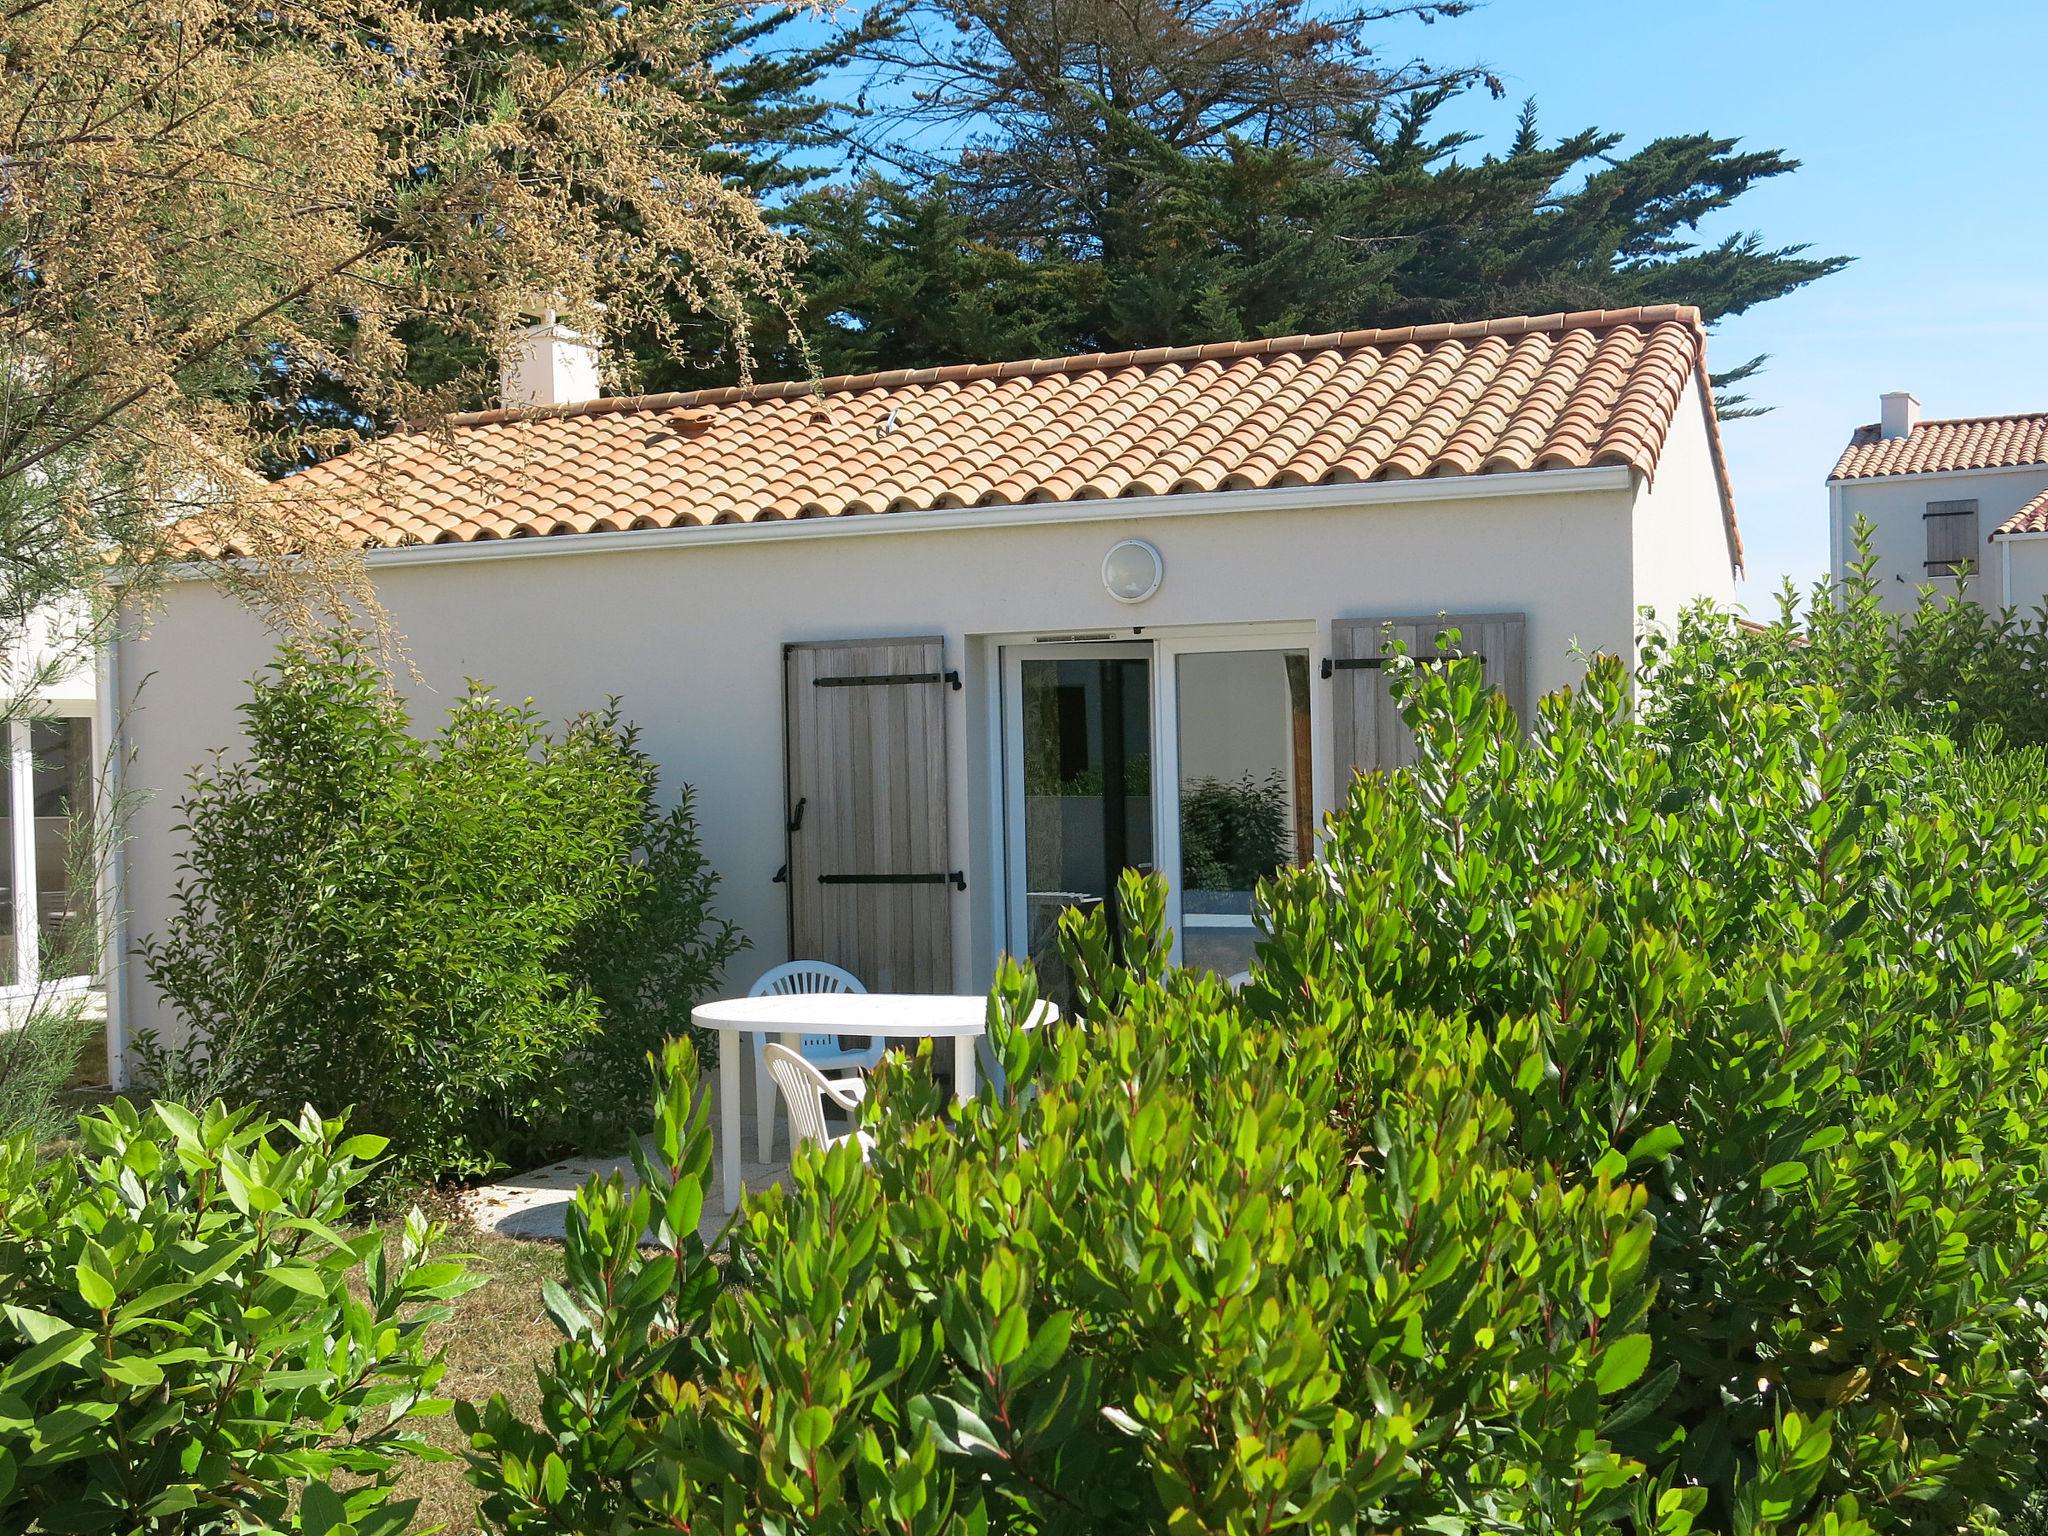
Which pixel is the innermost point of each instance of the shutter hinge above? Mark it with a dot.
(888, 679)
(781, 876)
(796, 817)
(956, 878)
(1374, 663)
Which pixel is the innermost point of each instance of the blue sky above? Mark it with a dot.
(1920, 131)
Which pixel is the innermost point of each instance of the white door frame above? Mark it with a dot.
(1166, 728)
(1164, 648)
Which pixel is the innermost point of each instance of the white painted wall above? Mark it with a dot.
(689, 635)
(1679, 533)
(2029, 566)
(1896, 504)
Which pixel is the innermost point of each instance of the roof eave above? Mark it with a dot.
(1440, 488)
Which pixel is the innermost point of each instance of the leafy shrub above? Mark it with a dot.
(1979, 677)
(1785, 962)
(1233, 833)
(1156, 1290)
(429, 931)
(39, 1056)
(184, 1347)
(648, 961)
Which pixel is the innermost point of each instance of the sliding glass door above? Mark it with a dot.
(1245, 800)
(1190, 755)
(1081, 805)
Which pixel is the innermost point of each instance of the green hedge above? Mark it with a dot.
(1627, 1128)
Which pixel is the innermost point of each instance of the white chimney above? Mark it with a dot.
(1898, 414)
(548, 364)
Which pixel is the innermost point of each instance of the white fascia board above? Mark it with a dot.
(1849, 482)
(2019, 538)
(1445, 488)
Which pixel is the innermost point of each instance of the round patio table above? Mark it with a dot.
(888, 1015)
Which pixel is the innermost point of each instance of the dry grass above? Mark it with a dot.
(498, 1335)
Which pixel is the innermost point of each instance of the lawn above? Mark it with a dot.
(498, 1335)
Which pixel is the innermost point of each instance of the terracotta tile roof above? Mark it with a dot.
(2032, 518)
(1539, 393)
(1963, 442)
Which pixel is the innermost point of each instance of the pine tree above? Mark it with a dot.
(1382, 221)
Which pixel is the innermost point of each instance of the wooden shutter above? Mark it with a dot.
(1951, 537)
(871, 883)
(1367, 728)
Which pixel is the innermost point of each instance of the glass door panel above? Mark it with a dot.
(1083, 739)
(1246, 796)
(61, 780)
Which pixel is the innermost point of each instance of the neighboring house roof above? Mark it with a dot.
(2032, 518)
(1964, 442)
(1531, 393)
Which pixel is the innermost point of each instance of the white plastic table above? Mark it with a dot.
(893, 1015)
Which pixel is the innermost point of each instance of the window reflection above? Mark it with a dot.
(61, 780)
(1246, 798)
(1087, 760)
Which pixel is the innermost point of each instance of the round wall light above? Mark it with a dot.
(1132, 570)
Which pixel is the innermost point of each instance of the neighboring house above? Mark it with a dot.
(1963, 499)
(942, 650)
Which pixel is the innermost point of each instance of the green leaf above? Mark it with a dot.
(321, 1510)
(1621, 1362)
(1779, 1175)
(94, 1288)
(1656, 1145)
(562, 1307)
(812, 1426)
(134, 1371)
(1641, 1403)
(65, 1348)
(296, 1277)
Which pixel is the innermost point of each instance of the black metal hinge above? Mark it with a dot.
(1374, 663)
(888, 679)
(956, 878)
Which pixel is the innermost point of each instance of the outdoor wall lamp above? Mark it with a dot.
(1132, 570)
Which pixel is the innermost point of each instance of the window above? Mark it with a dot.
(47, 917)
(1951, 538)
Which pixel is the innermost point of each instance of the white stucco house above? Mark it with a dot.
(943, 650)
(1964, 498)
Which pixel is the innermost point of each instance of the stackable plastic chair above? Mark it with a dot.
(826, 1052)
(805, 1092)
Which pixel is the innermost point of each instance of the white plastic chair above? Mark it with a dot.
(806, 1091)
(1238, 982)
(803, 978)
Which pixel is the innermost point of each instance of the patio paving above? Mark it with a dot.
(536, 1204)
